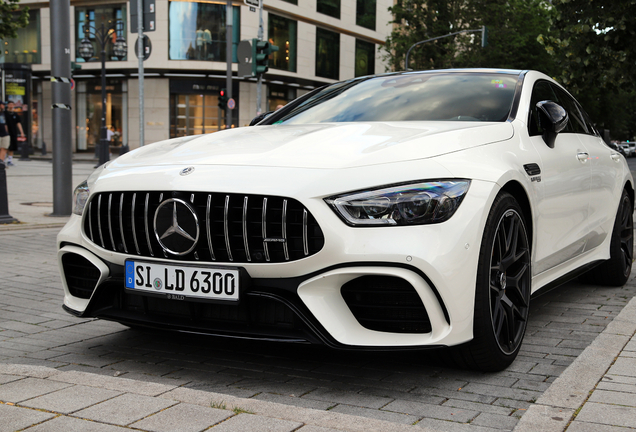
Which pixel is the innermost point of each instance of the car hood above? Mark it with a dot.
(319, 146)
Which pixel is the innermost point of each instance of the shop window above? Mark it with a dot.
(113, 19)
(329, 7)
(194, 107)
(198, 31)
(327, 54)
(282, 33)
(26, 47)
(365, 13)
(279, 96)
(89, 113)
(365, 58)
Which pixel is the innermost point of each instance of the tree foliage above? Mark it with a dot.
(12, 18)
(593, 41)
(513, 28)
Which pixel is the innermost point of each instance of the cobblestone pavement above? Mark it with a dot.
(402, 388)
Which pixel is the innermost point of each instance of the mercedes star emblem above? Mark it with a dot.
(186, 171)
(176, 226)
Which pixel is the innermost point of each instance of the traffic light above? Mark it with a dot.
(484, 36)
(223, 99)
(260, 56)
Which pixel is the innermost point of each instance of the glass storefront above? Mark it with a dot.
(89, 113)
(198, 31)
(26, 47)
(112, 18)
(279, 95)
(282, 33)
(194, 107)
(365, 58)
(327, 53)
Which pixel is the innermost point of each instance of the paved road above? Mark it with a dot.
(407, 388)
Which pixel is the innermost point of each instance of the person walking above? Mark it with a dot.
(15, 130)
(5, 139)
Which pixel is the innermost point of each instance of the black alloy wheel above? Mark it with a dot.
(626, 235)
(509, 282)
(502, 290)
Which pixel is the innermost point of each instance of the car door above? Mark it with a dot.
(605, 168)
(563, 192)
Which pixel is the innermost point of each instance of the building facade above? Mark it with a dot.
(320, 41)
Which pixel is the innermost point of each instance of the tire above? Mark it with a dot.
(616, 270)
(502, 291)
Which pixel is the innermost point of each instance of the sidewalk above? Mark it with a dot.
(597, 392)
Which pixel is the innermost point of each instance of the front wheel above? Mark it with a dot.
(502, 293)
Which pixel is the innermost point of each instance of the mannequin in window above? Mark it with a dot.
(200, 45)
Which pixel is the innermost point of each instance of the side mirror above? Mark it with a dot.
(553, 119)
(260, 118)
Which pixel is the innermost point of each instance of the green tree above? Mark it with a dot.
(593, 41)
(513, 28)
(12, 18)
(418, 20)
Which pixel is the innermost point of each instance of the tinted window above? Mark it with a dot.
(410, 97)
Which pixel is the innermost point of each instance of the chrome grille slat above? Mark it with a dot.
(305, 237)
(110, 221)
(99, 221)
(132, 222)
(284, 226)
(121, 221)
(208, 230)
(235, 228)
(244, 223)
(226, 227)
(264, 229)
(147, 204)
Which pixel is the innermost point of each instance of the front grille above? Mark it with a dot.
(233, 228)
(81, 276)
(386, 304)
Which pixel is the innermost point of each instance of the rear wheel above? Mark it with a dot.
(616, 270)
(502, 295)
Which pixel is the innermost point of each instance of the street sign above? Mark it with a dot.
(147, 47)
(253, 3)
(244, 57)
(231, 104)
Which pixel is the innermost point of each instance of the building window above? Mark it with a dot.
(91, 18)
(365, 58)
(26, 47)
(89, 112)
(327, 54)
(279, 96)
(282, 33)
(291, 1)
(194, 107)
(365, 13)
(198, 31)
(329, 7)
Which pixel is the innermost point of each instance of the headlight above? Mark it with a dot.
(409, 204)
(80, 197)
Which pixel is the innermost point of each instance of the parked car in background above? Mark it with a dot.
(398, 211)
(628, 148)
(618, 148)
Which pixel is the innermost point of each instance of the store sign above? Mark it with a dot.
(253, 3)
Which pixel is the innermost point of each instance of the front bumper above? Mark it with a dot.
(305, 300)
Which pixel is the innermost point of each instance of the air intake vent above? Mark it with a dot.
(81, 276)
(231, 227)
(386, 304)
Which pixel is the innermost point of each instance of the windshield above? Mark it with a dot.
(452, 96)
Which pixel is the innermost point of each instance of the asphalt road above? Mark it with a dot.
(402, 387)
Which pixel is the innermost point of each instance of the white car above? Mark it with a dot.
(399, 211)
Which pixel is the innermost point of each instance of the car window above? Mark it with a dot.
(451, 96)
(541, 91)
(576, 123)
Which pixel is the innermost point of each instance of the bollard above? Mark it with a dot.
(43, 148)
(24, 149)
(5, 217)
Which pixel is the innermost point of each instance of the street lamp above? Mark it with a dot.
(102, 35)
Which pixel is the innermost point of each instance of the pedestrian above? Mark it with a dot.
(15, 130)
(5, 139)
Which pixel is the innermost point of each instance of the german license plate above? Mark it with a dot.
(178, 282)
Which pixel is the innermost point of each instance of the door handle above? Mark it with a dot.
(582, 156)
(616, 157)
